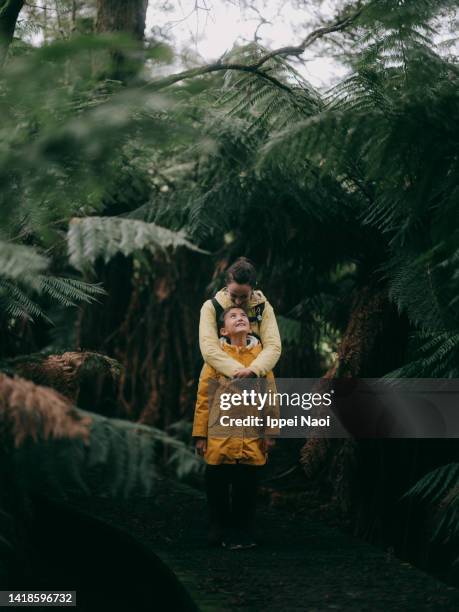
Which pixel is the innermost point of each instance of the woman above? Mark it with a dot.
(240, 291)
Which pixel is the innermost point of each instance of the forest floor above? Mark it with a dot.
(302, 564)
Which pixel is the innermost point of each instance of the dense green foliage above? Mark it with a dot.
(69, 138)
(331, 193)
(375, 157)
(439, 490)
(364, 174)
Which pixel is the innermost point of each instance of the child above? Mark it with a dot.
(231, 461)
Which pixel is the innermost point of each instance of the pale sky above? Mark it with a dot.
(208, 28)
(213, 27)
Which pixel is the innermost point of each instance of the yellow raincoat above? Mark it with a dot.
(224, 362)
(231, 449)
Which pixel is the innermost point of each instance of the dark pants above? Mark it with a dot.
(231, 494)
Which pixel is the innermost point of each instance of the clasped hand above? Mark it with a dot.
(244, 373)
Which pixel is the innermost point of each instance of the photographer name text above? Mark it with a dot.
(273, 422)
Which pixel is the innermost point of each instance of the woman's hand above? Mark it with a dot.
(201, 446)
(244, 373)
(267, 444)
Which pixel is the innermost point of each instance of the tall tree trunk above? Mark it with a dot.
(122, 16)
(9, 11)
(128, 17)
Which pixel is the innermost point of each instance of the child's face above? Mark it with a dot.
(236, 321)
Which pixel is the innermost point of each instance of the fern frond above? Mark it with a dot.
(439, 357)
(435, 484)
(17, 304)
(69, 291)
(32, 412)
(413, 288)
(262, 102)
(440, 489)
(20, 261)
(93, 237)
(289, 329)
(59, 449)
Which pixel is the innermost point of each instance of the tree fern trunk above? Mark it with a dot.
(88, 379)
(372, 344)
(363, 480)
(149, 323)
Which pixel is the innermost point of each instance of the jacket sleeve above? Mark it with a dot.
(201, 411)
(270, 339)
(211, 351)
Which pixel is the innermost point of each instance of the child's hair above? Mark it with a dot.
(242, 271)
(222, 315)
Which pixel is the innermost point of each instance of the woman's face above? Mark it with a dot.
(239, 294)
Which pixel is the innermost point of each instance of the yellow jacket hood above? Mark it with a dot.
(226, 345)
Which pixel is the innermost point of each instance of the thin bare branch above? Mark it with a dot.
(255, 67)
(217, 66)
(310, 39)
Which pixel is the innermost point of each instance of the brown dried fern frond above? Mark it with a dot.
(29, 411)
(64, 372)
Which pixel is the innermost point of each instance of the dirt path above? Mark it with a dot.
(302, 564)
